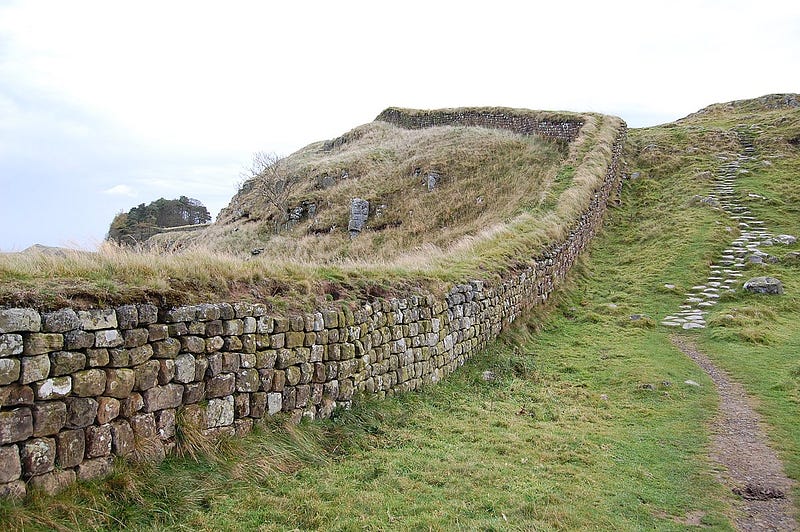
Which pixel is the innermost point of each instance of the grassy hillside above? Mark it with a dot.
(499, 197)
(585, 422)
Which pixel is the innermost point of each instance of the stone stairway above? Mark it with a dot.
(726, 270)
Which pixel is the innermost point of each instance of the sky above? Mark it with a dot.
(108, 104)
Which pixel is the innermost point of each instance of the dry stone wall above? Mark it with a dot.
(78, 388)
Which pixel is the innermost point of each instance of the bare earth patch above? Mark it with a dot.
(753, 470)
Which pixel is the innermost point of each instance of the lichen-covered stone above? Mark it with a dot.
(88, 383)
(168, 348)
(140, 355)
(107, 409)
(220, 412)
(184, 368)
(96, 319)
(135, 337)
(161, 397)
(131, 405)
(10, 344)
(248, 380)
(70, 447)
(220, 385)
(214, 344)
(194, 392)
(122, 439)
(127, 317)
(78, 340)
(157, 332)
(108, 338)
(764, 285)
(146, 375)
(165, 423)
(147, 314)
(119, 382)
(179, 314)
(53, 388)
(10, 464)
(34, 368)
(38, 456)
(192, 344)
(66, 362)
(41, 343)
(60, 321)
(81, 412)
(16, 489)
(274, 403)
(19, 320)
(166, 371)
(98, 441)
(9, 370)
(48, 418)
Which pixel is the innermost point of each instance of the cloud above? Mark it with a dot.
(121, 190)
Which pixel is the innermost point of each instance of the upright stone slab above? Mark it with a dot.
(359, 211)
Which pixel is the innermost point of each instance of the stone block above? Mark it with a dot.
(241, 405)
(157, 332)
(140, 355)
(9, 370)
(258, 404)
(278, 380)
(81, 412)
(166, 370)
(78, 340)
(289, 396)
(277, 340)
(214, 328)
(97, 357)
(38, 456)
(96, 319)
(119, 358)
(293, 375)
(274, 403)
(88, 383)
(248, 380)
(60, 321)
(242, 427)
(127, 317)
(53, 482)
(192, 344)
(161, 397)
(177, 329)
(264, 325)
(122, 439)
(266, 359)
(167, 348)
(232, 343)
(146, 375)
(108, 338)
(200, 367)
(196, 328)
(34, 368)
(15, 425)
(247, 360)
(42, 343)
(66, 362)
(148, 446)
(165, 423)
(232, 327)
(131, 405)
(119, 382)
(214, 344)
(230, 362)
(194, 392)
(207, 312)
(10, 344)
(107, 409)
(48, 418)
(135, 337)
(53, 388)
(184, 368)
(10, 464)
(219, 412)
(16, 489)
(95, 468)
(147, 314)
(19, 320)
(220, 385)
(70, 447)
(98, 441)
(302, 395)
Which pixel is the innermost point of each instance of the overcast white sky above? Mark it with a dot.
(108, 104)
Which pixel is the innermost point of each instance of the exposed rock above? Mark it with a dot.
(19, 320)
(786, 240)
(764, 285)
(359, 211)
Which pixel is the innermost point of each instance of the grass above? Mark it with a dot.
(452, 240)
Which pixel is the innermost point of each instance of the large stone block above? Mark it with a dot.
(96, 319)
(53, 388)
(167, 348)
(194, 392)
(274, 403)
(119, 382)
(34, 368)
(41, 343)
(258, 404)
(165, 423)
(135, 337)
(38, 456)
(81, 412)
(60, 321)
(9, 370)
(88, 383)
(140, 355)
(108, 338)
(78, 340)
(98, 441)
(131, 405)
(184, 368)
(127, 317)
(166, 371)
(70, 447)
(220, 385)
(161, 397)
(97, 357)
(248, 380)
(122, 439)
(192, 344)
(107, 409)
(66, 362)
(146, 375)
(16, 489)
(48, 418)
(15, 425)
(147, 314)
(10, 344)
(220, 412)
(10, 464)
(19, 320)
(95, 468)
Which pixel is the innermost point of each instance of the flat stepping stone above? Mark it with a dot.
(688, 326)
(671, 324)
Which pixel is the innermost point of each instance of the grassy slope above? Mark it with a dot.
(587, 426)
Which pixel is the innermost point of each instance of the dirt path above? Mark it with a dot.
(753, 470)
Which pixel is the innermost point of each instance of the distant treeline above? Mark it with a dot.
(142, 222)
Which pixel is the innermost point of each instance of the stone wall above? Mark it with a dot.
(78, 388)
(561, 126)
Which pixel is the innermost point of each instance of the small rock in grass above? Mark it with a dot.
(691, 383)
